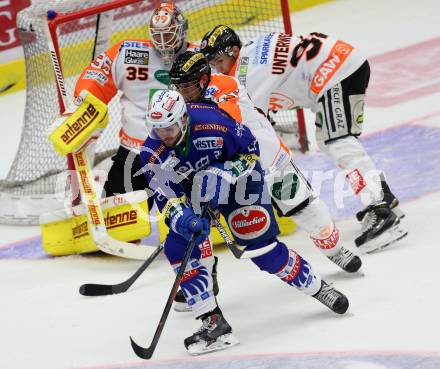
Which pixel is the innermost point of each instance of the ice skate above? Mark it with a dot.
(347, 260)
(380, 228)
(332, 298)
(389, 198)
(180, 304)
(215, 334)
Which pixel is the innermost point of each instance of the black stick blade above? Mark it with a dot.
(90, 289)
(143, 353)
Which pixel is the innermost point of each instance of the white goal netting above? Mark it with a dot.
(37, 180)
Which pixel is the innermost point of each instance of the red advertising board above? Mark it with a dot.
(8, 27)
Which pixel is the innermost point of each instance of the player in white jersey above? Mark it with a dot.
(330, 77)
(290, 191)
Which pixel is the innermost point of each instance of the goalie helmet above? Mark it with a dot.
(187, 72)
(168, 30)
(167, 115)
(219, 40)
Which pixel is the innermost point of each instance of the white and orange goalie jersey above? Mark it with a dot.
(281, 71)
(232, 97)
(137, 70)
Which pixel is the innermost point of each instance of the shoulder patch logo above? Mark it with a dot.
(162, 76)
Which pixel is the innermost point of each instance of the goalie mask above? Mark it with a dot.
(168, 30)
(190, 75)
(220, 40)
(167, 119)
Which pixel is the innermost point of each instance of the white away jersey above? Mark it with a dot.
(281, 71)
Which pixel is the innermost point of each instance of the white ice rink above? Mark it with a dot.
(393, 321)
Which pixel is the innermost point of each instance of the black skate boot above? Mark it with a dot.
(380, 228)
(332, 298)
(389, 198)
(347, 260)
(180, 304)
(215, 334)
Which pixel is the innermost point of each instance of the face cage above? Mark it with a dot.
(168, 38)
(184, 86)
(227, 50)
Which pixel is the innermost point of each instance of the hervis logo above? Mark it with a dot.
(249, 222)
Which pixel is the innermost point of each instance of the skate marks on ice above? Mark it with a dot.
(337, 360)
(409, 155)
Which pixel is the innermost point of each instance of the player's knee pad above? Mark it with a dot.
(274, 258)
(206, 256)
(175, 246)
(316, 220)
(289, 189)
(197, 286)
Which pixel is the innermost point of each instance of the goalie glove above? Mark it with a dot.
(83, 121)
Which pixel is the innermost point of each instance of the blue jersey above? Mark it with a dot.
(211, 137)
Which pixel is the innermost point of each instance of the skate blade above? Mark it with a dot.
(181, 307)
(399, 213)
(387, 238)
(222, 343)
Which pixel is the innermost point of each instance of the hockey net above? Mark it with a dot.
(38, 179)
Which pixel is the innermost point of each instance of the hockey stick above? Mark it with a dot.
(96, 218)
(235, 251)
(92, 289)
(147, 353)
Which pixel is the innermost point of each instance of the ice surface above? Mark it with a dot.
(393, 318)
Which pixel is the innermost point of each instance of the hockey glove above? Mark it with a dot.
(185, 222)
(81, 122)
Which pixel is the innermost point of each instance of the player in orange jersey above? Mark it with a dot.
(330, 77)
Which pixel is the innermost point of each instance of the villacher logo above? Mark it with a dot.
(249, 222)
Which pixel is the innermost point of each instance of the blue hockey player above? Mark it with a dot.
(196, 152)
